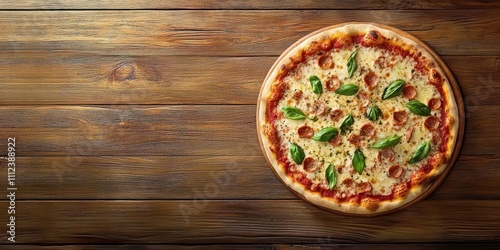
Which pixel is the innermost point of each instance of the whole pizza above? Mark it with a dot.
(359, 118)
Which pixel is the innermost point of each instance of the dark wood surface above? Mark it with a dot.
(135, 126)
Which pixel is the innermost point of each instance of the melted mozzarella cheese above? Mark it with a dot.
(340, 156)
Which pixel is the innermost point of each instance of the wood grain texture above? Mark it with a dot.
(212, 178)
(242, 4)
(259, 222)
(322, 244)
(145, 247)
(75, 78)
(79, 78)
(135, 125)
(224, 33)
(131, 130)
(194, 130)
(465, 246)
(183, 178)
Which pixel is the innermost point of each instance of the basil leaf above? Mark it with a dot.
(325, 134)
(394, 89)
(351, 63)
(347, 89)
(373, 113)
(293, 113)
(297, 153)
(316, 85)
(331, 177)
(386, 142)
(351, 67)
(353, 54)
(358, 161)
(348, 121)
(418, 108)
(421, 152)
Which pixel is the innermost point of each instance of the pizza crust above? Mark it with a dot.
(366, 207)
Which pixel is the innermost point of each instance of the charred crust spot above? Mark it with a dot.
(271, 134)
(435, 77)
(418, 178)
(370, 204)
(298, 57)
(400, 190)
(326, 45)
(373, 37)
(312, 49)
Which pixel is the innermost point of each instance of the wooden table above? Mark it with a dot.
(135, 125)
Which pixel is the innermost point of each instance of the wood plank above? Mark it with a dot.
(319, 246)
(192, 178)
(184, 177)
(258, 222)
(476, 78)
(464, 246)
(141, 246)
(242, 4)
(198, 32)
(203, 130)
(470, 172)
(45, 77)
(131, 130)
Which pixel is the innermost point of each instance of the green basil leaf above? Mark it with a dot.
(394, 89)
(293, 113)
(358, 161)
(326, 134)
(347, 89)
(386, 142)
(418, 108)
(331, 177)
(297, 153)
(353, 54)
(348, 121)
(316, 85)
(352, 66)
(421, 152)
(373, 113)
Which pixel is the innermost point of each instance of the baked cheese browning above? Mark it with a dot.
(346, 79)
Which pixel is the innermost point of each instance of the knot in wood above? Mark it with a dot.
(122, 72)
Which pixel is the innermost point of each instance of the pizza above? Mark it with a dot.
(359, 118)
